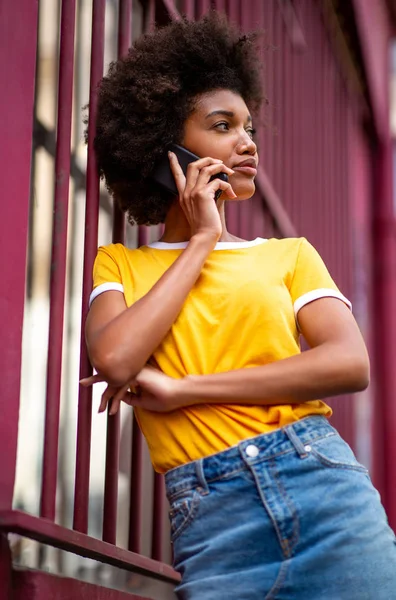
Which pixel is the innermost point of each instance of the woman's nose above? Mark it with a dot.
(247, 145)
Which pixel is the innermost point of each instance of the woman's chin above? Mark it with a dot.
(243, 193)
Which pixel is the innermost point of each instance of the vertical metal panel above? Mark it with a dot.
(58, 260)
(81, 491)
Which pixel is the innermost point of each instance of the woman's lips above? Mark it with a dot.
(247, 170)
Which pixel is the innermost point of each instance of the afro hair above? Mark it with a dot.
(146, 97)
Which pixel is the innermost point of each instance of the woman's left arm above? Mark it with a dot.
(336, 363)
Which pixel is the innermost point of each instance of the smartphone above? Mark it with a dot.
(163, 175)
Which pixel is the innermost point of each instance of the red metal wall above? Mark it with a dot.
(325, 174)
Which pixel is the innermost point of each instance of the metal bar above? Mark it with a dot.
(111, 479)
(374, 31)
(58, 261)
(81, 492)
(158, 517)
(124, 27)
(47, 532)
(149, 16)
(136, 478)
(18, 47)
(135, 494)
(385, 302)
(171, 10)
(17, 68)
(113, 422)
(201, 8)
(188, 8)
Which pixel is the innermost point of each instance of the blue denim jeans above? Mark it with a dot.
(288, 515)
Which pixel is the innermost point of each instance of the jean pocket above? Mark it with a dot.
(335, 453)
(183, 510)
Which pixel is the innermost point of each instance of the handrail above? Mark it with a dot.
(48, 532)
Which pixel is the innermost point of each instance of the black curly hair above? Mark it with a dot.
(146, 97)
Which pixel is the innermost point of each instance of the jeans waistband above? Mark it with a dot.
(263, 447)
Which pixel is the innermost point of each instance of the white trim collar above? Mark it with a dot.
(219, 245)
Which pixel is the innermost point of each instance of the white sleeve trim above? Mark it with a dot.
(315, 295)
(105, 287)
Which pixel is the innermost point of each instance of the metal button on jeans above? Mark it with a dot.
(307, 448)
(252, 451)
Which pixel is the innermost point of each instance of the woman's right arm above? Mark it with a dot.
(120, 340)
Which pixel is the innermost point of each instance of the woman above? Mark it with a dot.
(266, 500)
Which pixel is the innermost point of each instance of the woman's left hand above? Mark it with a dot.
(154, 391)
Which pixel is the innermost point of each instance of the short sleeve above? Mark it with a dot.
(106, 273)
(311, 279)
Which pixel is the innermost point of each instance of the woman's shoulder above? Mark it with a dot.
(119, 251)
(288, 246)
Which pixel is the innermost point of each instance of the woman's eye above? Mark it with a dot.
(223, 126)
(251, 132)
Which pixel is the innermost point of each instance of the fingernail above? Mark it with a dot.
(170, 154)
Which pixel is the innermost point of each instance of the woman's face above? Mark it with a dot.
(221, 127)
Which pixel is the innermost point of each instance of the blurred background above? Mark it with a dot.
(326, 144)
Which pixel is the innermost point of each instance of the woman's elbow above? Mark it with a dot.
(109, 366)
(358, 372)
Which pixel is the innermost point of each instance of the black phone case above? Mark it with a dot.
(162, 173)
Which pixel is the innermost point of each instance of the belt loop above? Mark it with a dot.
(295, 440)
(203, 486)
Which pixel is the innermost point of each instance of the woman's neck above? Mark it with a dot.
(177, 228)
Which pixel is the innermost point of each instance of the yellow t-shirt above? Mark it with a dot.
(241, 313)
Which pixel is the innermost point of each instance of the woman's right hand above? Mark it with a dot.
(197, 193)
